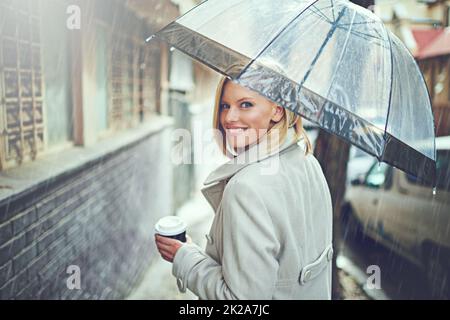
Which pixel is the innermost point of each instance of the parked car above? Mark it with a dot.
(358, 164)
(403, 213)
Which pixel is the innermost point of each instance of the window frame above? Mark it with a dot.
(33, 136)
(387, 183)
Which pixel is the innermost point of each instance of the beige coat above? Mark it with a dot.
(271, 237)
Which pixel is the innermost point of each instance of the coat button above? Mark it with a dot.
(209, 239)
(330, 254)
(181, 286)
(307, 276)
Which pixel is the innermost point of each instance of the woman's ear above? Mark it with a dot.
(277, 113)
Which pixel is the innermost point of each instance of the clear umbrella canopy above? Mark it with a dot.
(330, 61)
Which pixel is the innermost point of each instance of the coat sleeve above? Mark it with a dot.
(250, 248)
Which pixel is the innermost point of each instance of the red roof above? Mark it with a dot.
(431, 42)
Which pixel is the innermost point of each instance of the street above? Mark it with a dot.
(400, 279)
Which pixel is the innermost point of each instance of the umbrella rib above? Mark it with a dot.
(377, 32)
(367, 37)
(332, 10)
(330, 34)
(359, 33)
(390, 91)
(320, 14)
(340, 57)
(340, 26)
(355, 23)
(276, 36)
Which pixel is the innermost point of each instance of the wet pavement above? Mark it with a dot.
(400, 279)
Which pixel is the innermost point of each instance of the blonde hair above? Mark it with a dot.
(289, 119)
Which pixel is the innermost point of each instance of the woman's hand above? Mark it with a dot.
(168, 247)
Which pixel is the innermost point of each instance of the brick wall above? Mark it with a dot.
(99, 217)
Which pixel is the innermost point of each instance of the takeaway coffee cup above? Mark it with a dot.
(171, 227)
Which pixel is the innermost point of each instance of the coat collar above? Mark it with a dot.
(255, 153)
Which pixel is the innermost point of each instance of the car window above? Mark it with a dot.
(376, 176)
(442, 172)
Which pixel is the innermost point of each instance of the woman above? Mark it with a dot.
(271, 237)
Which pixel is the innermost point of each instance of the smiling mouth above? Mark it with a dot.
(235, 131)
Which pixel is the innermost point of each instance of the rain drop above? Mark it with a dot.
(434, 191)
(172, 48)
(150, 38)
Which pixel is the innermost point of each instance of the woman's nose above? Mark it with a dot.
(232, 114)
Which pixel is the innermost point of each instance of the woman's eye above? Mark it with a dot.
(243, 105)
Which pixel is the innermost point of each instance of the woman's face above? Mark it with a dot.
(245, 115)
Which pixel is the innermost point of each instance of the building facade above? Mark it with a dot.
(85, 145)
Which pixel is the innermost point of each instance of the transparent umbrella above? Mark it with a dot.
(338, 66)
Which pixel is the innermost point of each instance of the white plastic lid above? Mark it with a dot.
(170, 226)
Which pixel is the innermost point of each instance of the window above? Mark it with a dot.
(56, 69)
(21, 112)
(101, 92)
(149, 78)
(124, 78)
(131, 66)
(378, 175)
(127, 67)
(38, 86)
